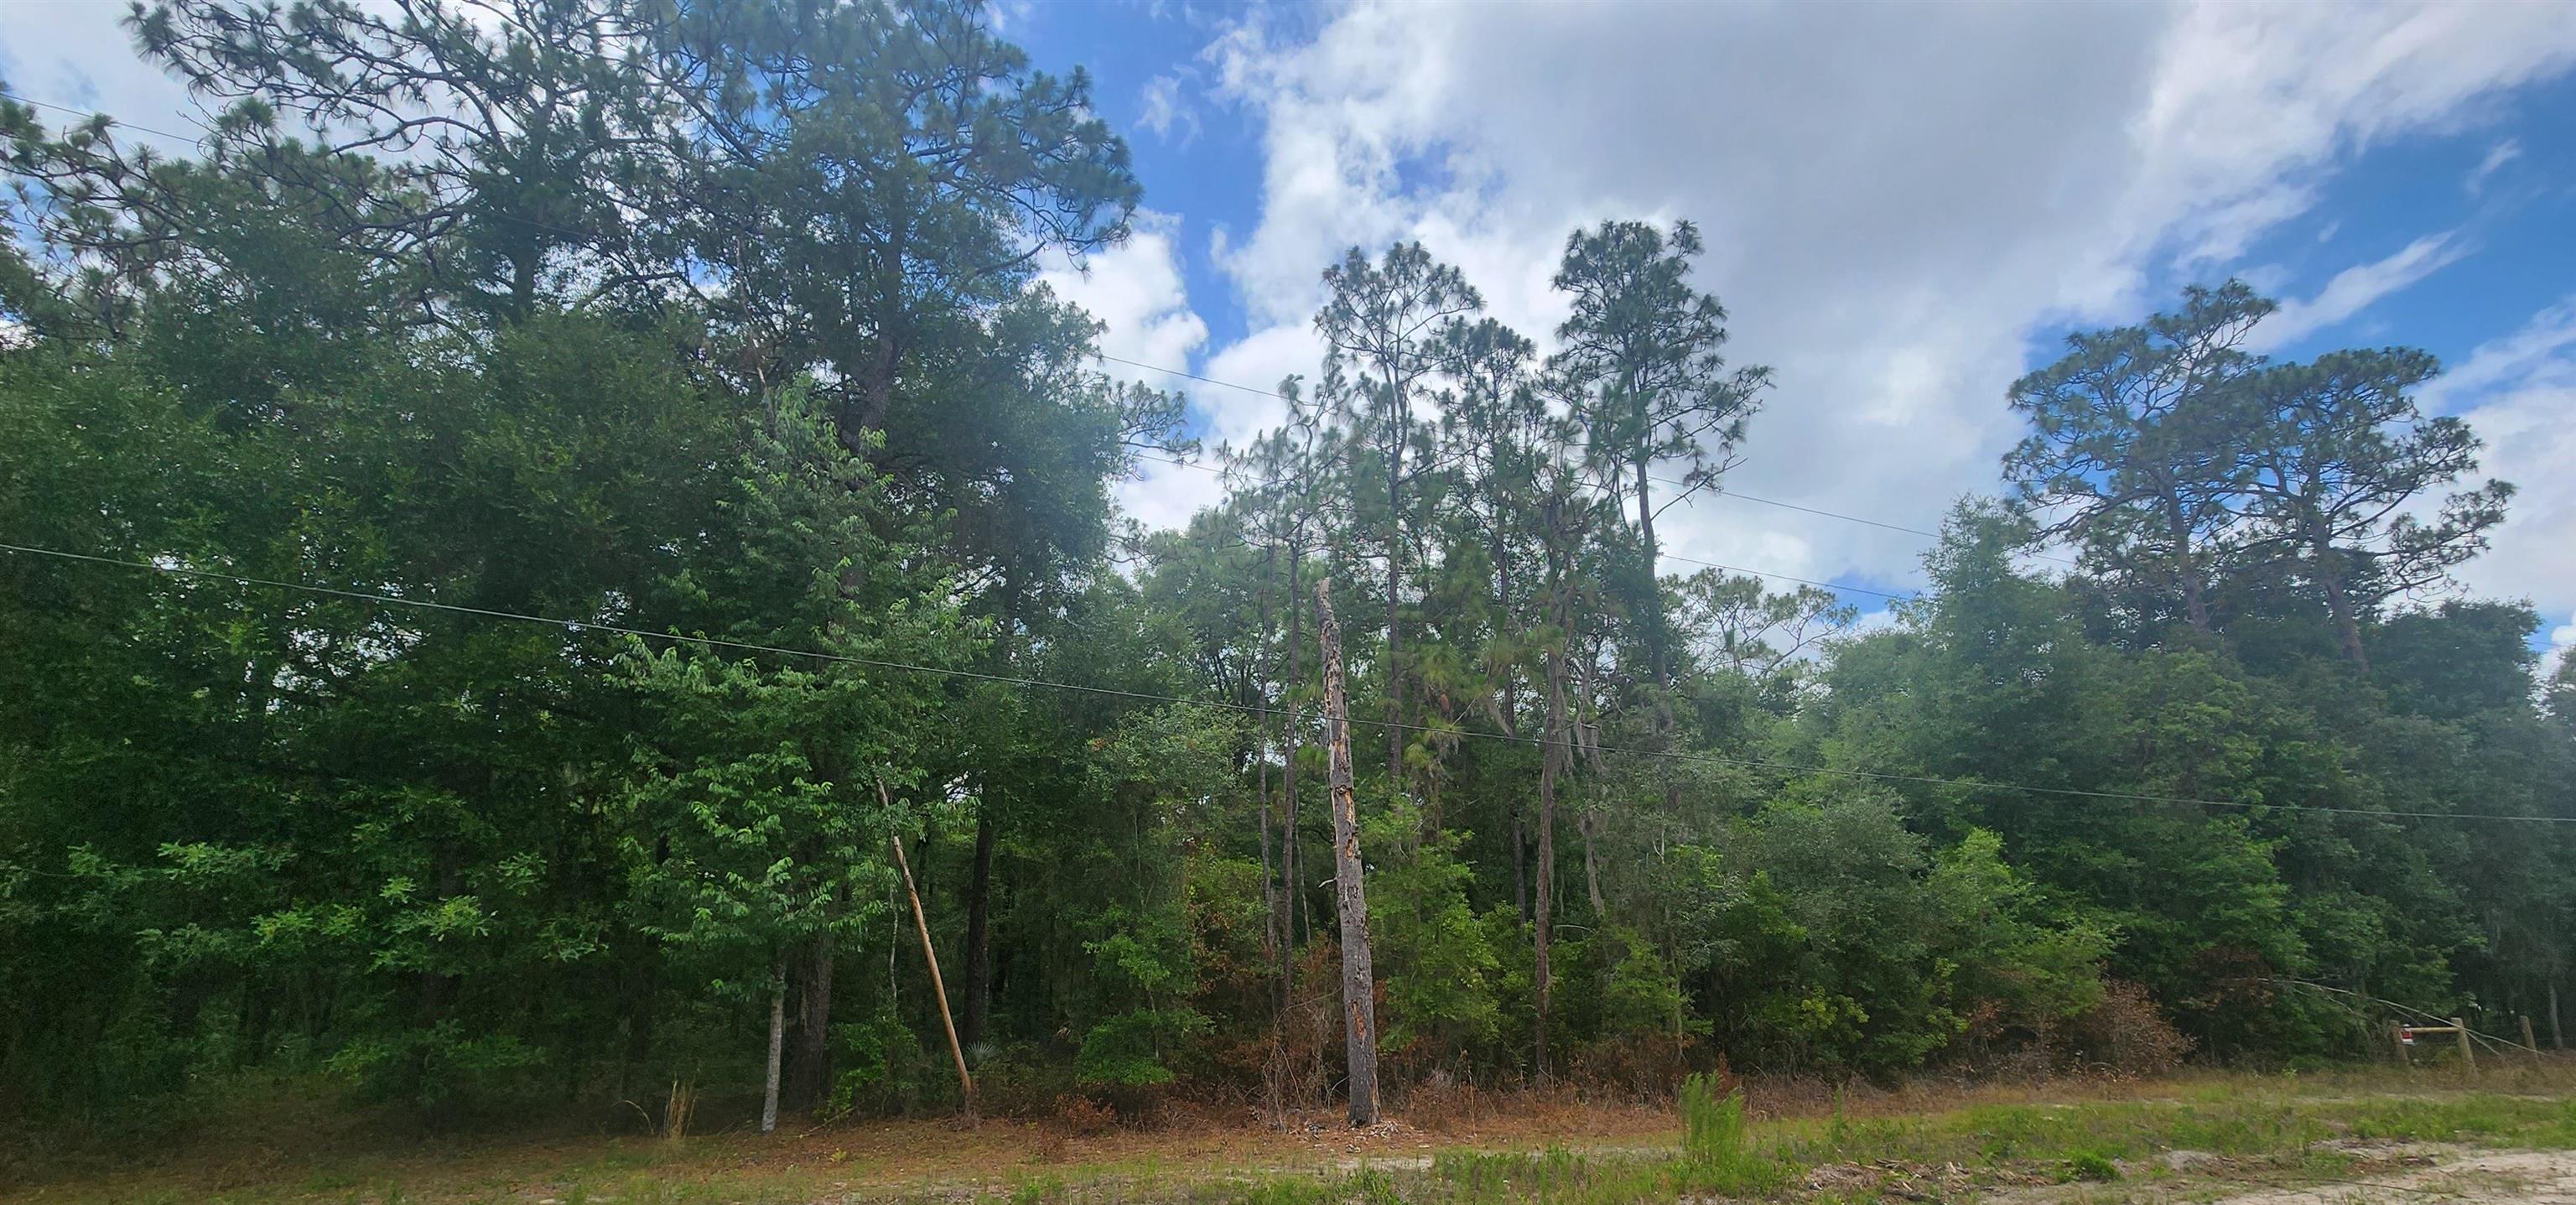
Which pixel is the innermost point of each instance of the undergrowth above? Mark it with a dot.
(1722, 1152)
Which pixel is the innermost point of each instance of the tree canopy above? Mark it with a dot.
(526, 539)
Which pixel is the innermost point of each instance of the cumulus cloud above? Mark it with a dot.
(1137, 292)
(2519, 393)
(1894, 206)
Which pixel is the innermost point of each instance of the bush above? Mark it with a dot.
(2127, 1034)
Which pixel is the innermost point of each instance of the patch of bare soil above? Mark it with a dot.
(2390, 1173)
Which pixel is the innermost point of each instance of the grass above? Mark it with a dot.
(1933, 1143)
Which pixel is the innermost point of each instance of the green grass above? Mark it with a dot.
(2267, 1130)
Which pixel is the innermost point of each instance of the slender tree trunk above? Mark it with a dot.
(1399, 390)
(1520, 859)
(1543, 898)
(1394, 665)
(1273, 916)
(979, 937)
(811, 1083)
(1289, 888)
(777, 1047)
(1359, 988)
(1554, 749)
(1657, 657)
(1660, 657)
(1590, 826)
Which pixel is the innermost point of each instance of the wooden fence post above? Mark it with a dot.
(2397, 1038)
(2529, 1042)
(2468, 1057)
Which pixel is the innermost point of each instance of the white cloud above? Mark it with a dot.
(1893, 206)
(1161, 109)
(1138, 293)
(2497, 156)
(2355, 288)
(80, 57)
(2519, 393)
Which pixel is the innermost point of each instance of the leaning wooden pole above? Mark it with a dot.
(1359, 995)
(965, 1082)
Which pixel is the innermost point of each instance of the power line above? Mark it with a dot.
(87, 113)
(1254, 390)
(1720, 492)
(1666, 554)
(1191, 464)
(1144, 696)
(748, 646)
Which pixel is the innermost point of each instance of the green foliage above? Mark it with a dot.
(542, 570)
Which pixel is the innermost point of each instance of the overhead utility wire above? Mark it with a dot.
(1205, 380)
(1666, 554)
(1722, 492)
(715, 642)
(1144, 696)
(1192, 464)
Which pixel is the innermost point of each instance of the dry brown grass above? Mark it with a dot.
(290, 1146)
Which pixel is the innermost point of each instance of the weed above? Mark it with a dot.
(2091, 1165)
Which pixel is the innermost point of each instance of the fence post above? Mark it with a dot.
(2529, 1042)
(2397, 1038)
(2468, 1057)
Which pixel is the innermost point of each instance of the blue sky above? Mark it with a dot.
(1906, 206)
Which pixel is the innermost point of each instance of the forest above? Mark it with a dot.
(564, 545)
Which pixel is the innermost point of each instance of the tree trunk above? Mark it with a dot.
(1590, 826)
(811, 1084)
(2195, 602)
(777, 1046)
(1543, 897)
(1520, 859)
(1660, 658)
(1288, 886)
(2339, 603)
(1657, 657)
(979, 940)
(1394, 580)
(1274, 917)
(2557, 1036)
(1552, 763)
(1359, 990)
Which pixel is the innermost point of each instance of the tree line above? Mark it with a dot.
(600, 566)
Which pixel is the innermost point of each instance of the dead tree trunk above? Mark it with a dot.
(1359, 997)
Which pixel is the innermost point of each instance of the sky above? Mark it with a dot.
(1905, 205)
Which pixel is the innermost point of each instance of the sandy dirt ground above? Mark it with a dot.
(2412, 1172)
